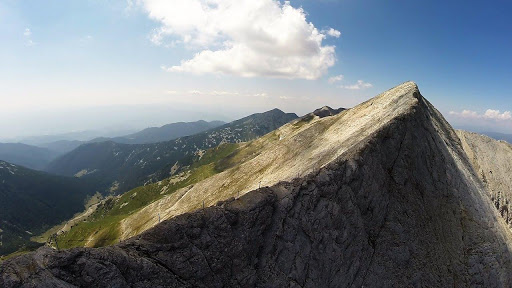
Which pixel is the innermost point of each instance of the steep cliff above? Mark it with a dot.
(492, 160)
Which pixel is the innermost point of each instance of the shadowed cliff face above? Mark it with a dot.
(402, 207)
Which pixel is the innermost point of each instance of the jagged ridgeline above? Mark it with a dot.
(32, 202)
(380, 195)
(116, 168)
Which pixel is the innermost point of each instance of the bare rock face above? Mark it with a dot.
(401, 208)
(492, 160)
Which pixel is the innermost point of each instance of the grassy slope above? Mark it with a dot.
(102, 227)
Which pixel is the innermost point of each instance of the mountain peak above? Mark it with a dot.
(274, 111)
(405, 89)
(383, 192)
(327, 111)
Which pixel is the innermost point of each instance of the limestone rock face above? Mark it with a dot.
(400, 207)
(492, 160)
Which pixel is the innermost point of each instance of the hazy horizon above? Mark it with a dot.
(127, 65)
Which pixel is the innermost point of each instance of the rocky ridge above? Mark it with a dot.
(492, 160)
(392, 201)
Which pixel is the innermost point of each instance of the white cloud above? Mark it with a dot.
(466, 114)
(262, 95)
(216, 93)
(335, 79)
(195, 92)
(223, 93)
(28, 37)
(243, 37)
(489, 114)
(332, 32)
(86, 38)
(358, 86)
(495, 114)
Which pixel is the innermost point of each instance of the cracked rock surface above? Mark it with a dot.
(403, 207)
(492, 160)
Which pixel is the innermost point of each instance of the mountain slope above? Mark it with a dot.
(25, 155)
(120, 167)
(391, 200)
(385, 197)
(62, 147)
(492, 160)
(31, 202)
(108, 224)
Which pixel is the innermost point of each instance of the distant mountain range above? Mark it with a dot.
(86, 135)
(146, 136)
(499, 136)
(39, 155)
(31, 202)
(164, 133)
(26, 155)
(119, 167)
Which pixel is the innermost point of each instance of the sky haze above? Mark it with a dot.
(80, 65)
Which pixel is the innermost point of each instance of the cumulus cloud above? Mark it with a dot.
(332, 32)
(335, 79)
(242, 37)
(489, 114)
(495, 114)
(358, 86)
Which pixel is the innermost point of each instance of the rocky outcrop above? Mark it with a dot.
(327, 111)
(401, 207)
(492, 160)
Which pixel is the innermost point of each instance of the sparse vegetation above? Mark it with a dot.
(101, 228)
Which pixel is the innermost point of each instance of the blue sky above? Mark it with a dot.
(77, 65)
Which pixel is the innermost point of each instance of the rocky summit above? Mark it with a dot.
(380, 195)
